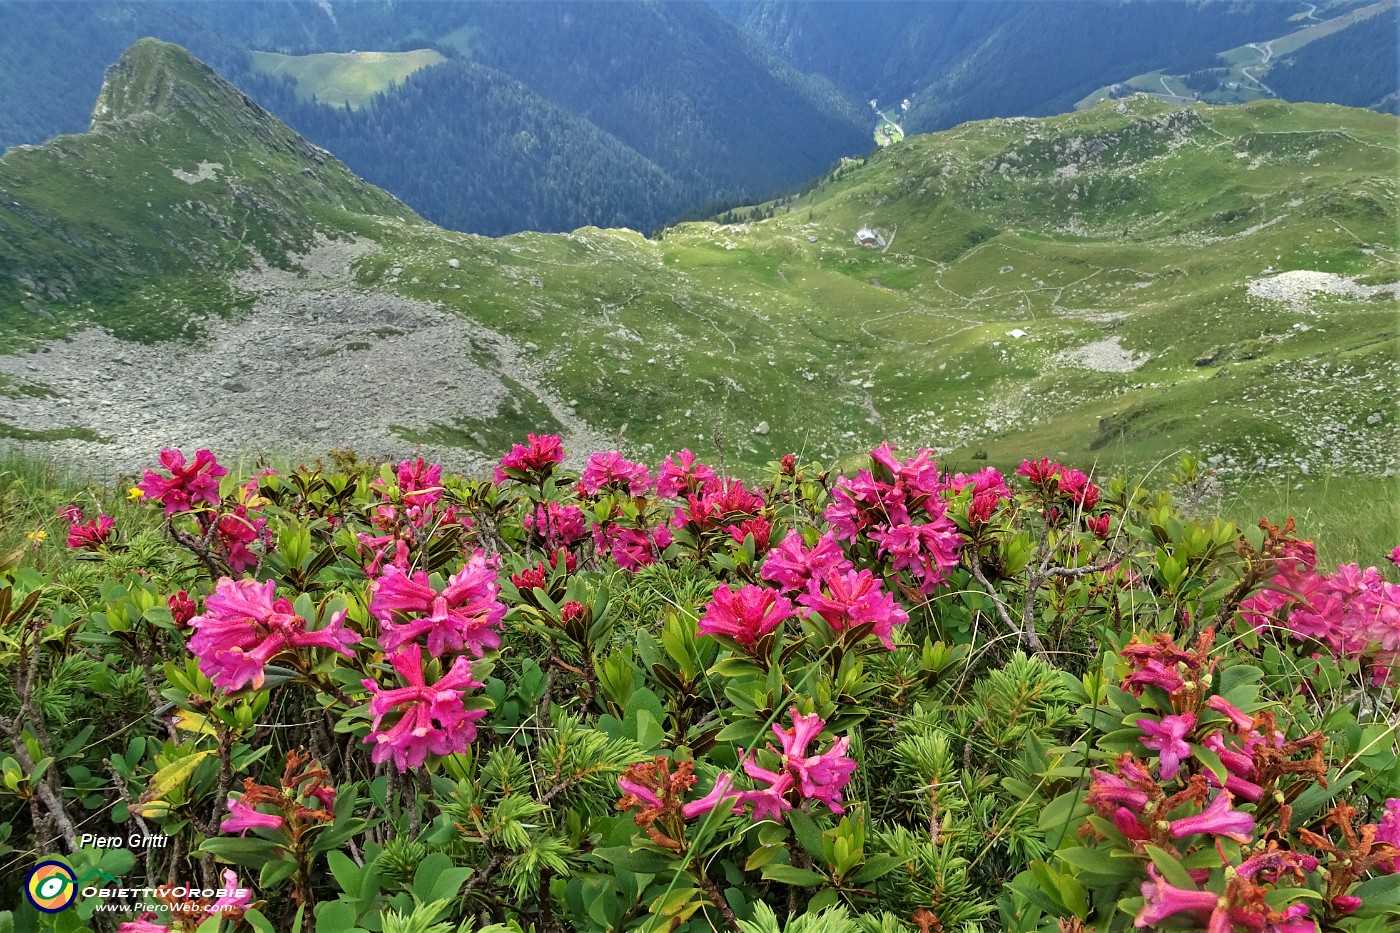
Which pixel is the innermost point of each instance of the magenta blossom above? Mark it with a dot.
(847, 599)
(1167, 739)
(434, 719)
(630, 548)
(819, 777)
(557, 525)
(91, 535)
(466, 615)
(682, 476)
(927, 552)
(793, 566)
(745, 615)
(236, 898)
(143, 924)
(863, 503)
(420, 482)
(243, 818)
(611, 470)
(1395, 555)
(243, 628)
(539, 458)
(1388, 830)
(188, 484)
(1163, 901)
(1217, 819)
(718, 795)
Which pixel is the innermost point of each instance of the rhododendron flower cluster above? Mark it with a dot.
(800, 776)
(681, 475)
(1354, 612)
(188, 485)
(611, 471)
(556, 525)
(88, 533)
(631, 548)
(431, 717)
(744, 615)
(905, 517)
(657, 793)
(465, 615)
(847, 599)
(537, 458)
(537, 577)
(243, 627)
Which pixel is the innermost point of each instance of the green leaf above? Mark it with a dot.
(791, 874)
(642, 861)
(1170, 868)
(251, 852)
(807, 832)
(877, 866)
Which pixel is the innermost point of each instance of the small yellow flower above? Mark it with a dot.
(135, 494)
(37, 535)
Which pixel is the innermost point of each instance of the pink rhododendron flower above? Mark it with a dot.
(819, 777)
(556, 524)
(466, 615)
(630, 548)
(721, 503)
(793, 566)
(610, 470)
(1076, 486)
(1109, 792)
(1388, 830)
(232, 901)
(92, 534)
(760, 528)
(243, 817)
(683, 475)
(927, 552)
(985, 480)
(243, 628)
(767, 803)
(1167, 739)
(182, 608)
(814, 777)
(234, 532)
(1039, 472)
(1217, 819)
(146, 923)
(1354, 612)
(1395, 556)
(433, 718)
(718, 795)
(1155, 674)
(1242, 721)
(537, 577)
(745, 615)
(1163, 901)
(420, 482)
(863, 503)
(846, 599)
(539, 457)
(188, 485)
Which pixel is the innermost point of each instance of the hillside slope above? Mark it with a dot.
(1113, 285)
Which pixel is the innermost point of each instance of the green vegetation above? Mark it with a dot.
(1079, 286)
(345, 79)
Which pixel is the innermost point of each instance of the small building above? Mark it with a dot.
(870, 239)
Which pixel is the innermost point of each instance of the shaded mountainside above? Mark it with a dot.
(1113, 285)
(643, 111)
(180, 175)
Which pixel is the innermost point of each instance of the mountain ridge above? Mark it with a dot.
(1118, 242)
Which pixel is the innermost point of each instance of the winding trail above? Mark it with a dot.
(1265, 49)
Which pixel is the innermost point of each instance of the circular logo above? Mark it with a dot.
(51, 887)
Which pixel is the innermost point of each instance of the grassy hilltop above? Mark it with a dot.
(1098, 286)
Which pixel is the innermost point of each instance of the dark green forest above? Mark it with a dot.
(553, 115)
(1356, 67)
